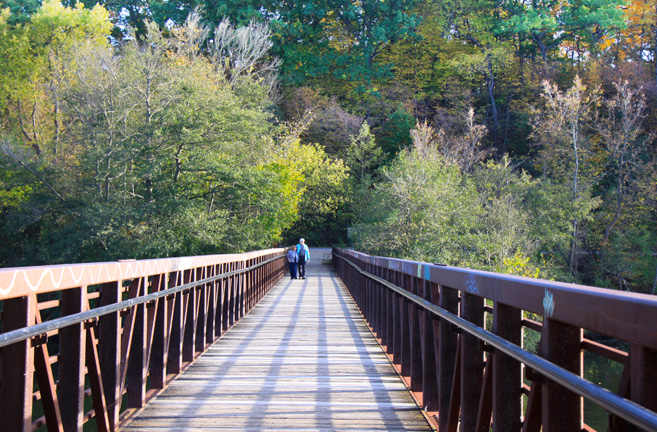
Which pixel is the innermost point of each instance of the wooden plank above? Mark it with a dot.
(301, 359)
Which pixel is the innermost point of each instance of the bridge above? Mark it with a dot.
(228, 342)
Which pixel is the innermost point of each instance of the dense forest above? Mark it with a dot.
(507, 135)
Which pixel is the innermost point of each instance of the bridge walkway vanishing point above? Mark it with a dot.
(302, 359)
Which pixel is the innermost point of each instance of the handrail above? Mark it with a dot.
(123, 332)
(433, 320)
(630, 411)
(14, 336)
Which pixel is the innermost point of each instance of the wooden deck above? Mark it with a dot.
(303, 359)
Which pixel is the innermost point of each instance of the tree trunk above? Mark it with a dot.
(654, 55)
(654, 284)
(55, 95)
(491, 85)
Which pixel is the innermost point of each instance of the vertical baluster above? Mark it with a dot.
(137, 367)
(429, 352)
(225, 286)
(232, 282)
(109, 351)
(507, 380)
(447, 347)
(17, 374)
(212, 305)
(189, 339)
(405, 329)
(219, 301)
(72, 361)
(242, 289)
(391, 308)
(643, 376)
(472, 362)
(415, 340)
(247, 287)
(202, 314)
(381, 299)
(562, 409)
(370, 297)
(174, 357)
(158, 357)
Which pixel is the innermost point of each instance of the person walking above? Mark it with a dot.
(304, 257)
(292, 259)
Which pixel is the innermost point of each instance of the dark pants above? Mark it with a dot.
(293, 269)
(302, 268)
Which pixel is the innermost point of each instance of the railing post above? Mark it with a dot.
(189, 340)
(137, 367)
(174, 357)
(391, 322)
(225, 286)
(243, 292)
(218, 302)
(507, 380)
(447, 343)
(381, 304)
(158, 357)
(429, 352)
(643, 376)
(472, 362)
(562, 409)
(109, 347)
(372, 299)
(202, 314)
(210, 295)
(415, 340)
(72, 361)
(17, 367)
(232, 293)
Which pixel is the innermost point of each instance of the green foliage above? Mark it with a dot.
(324, 197)
(423, 210)
(393, 133)
(363, 155)
(164, 156)
(627, 263)
(170, 142)
(549, 24)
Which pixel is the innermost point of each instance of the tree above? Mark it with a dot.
(566, 153)
(166, 155)
(462, 149)
(38, 59)
(622, 133)
(423, 209)
(549, 24)
(323, 199)
(370, 27)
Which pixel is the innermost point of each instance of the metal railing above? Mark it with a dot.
(463, 358)
(115, 334)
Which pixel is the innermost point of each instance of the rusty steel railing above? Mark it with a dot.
(97, 341)
(456, 335)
